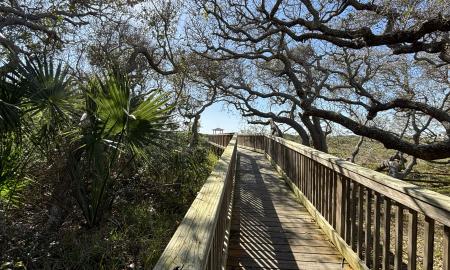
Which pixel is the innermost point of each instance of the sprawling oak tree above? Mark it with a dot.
(337, 54)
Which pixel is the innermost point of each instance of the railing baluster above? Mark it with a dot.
(428, 244)
(341, 195)
(304, 168)
(387, 232)
(319, 178)
(311, 187)
(398, 238)
(309, 179)
(376, 233)
(353, 233)
(312, 182)
(412, 240)
(327, 194)
(321, 189)
(368, 236)
(348, 212)
(297, 168)
(446, 249)
(300, 172)
(333, 203)
(353, 204)
(324, 191)
(314, 186)
(293, 166)
(360, 238)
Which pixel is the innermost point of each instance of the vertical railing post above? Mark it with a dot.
(341, 195)
(446, 248)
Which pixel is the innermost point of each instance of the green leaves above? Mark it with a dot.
(112, 100)
(47, 93)
(11, 96)
(13, 161)
(34, 103)
(115, 128)
(40, 92)
(147, 122)
(137, 122)
(41, 99)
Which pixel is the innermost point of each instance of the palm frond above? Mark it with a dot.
(11, 95)
(139, 126)
(48, 96)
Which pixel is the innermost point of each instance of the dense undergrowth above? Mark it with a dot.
(93, 174)
(149, 204)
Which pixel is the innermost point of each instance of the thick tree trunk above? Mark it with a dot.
(317, 135)
(304, 137)
(321, 136)
(275, 130)
(194, 131)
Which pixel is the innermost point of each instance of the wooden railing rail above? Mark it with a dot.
(218, 142)
(220, 139)
(199, 241)
(374, 220)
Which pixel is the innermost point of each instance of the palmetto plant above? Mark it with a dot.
(36, 87)
(13, 161)
(34, 101)
(39, 101)
(11, 96)
(114, 129)
(48, 95)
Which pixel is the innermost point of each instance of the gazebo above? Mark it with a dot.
(217, 131)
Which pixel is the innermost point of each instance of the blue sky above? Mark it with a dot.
(220, 116)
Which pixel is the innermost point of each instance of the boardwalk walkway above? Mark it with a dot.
(270, 230)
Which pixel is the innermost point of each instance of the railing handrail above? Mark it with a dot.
(190, 246)
(217, 145)
(430, 203)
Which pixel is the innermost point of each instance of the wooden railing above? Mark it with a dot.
(200, 240)
(374, 220)
(220, 139)
(219, 142)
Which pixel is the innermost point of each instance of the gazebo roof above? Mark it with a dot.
(218, 129)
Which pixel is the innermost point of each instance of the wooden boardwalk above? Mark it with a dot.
(270, 229)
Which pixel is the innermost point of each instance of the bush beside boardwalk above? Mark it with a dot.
(147, 210)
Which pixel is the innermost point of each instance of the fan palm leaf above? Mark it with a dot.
(138, 126)
(11, 95)
(47, 93)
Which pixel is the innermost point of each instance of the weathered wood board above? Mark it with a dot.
(270, 229)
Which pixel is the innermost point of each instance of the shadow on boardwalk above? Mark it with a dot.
(270, 230)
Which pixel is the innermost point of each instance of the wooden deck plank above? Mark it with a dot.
(270, 229)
